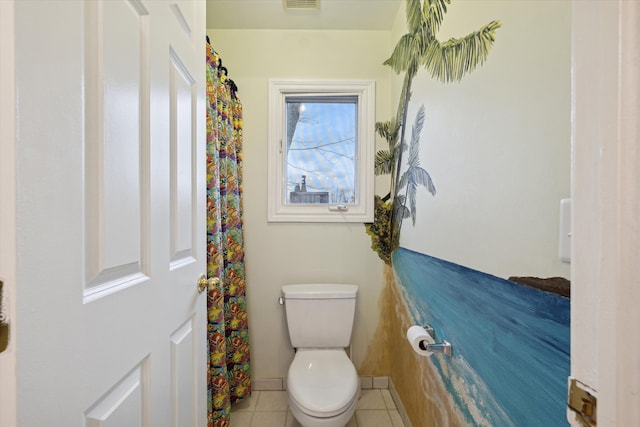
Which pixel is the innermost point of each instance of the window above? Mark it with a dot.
(321, 151)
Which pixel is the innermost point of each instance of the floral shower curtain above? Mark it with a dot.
(229, 367)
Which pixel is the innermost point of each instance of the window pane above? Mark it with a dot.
(321, 149)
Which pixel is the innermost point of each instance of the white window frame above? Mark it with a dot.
(278, 209)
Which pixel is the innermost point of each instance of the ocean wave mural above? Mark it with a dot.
(510, 343)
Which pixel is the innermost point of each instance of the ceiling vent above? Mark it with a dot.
(301, 4)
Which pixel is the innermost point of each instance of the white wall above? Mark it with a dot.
(497, 145)
(281, 253)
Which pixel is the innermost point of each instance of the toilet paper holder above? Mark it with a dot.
(440, 347)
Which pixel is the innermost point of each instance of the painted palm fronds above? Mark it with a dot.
(385, 161)
(447, 61)
(415, 175)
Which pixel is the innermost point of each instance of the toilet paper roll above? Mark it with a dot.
(416, 335)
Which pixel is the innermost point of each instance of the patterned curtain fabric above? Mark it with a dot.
(229, 367)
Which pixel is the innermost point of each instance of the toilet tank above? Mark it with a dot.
(320, 315)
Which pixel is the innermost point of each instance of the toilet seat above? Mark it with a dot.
(324, 383)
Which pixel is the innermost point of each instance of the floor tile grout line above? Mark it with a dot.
(252, 408)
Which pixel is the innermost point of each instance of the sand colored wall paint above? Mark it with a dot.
(284, 253)
(421, 390)
(498, 144)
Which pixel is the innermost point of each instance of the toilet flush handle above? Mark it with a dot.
(281, 301)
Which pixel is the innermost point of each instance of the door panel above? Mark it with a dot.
(183, 102)
(125, 404)
(117, 154)
(111, 330)
(184, 63)
(186, 14)
(183, 374)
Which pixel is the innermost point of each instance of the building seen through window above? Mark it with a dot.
(321, 147)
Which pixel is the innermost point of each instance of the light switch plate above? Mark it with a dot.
(564, 246)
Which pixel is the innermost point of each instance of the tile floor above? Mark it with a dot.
(376, 408)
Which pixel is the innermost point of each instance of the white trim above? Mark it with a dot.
(605, 348)
(8, 408)
(623, 372)
(362, 211)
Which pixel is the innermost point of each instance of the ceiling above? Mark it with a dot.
(333, 15)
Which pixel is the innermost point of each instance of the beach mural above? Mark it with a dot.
(510, 342)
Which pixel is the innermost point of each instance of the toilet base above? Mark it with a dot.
(340, 420)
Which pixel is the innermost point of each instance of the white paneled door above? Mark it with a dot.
(110, 213)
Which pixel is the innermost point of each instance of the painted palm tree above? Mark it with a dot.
(447, 61)
(415, 175)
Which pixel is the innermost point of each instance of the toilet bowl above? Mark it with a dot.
(323, 388)
(322, 384)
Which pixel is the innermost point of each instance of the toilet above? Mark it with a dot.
(322, 384)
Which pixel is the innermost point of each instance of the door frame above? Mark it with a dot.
(8, 384)
(605, 349)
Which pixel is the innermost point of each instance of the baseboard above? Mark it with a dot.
(275, 384)
(366, 383)
(269, 384)
(403, 413)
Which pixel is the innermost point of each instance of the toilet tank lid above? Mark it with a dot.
(319, 291)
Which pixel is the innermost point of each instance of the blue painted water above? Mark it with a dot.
(510, 343)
